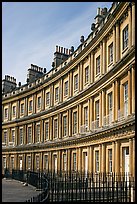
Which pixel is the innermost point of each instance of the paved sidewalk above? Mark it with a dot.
(16, 191)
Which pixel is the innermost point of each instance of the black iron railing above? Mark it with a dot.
(76, 186)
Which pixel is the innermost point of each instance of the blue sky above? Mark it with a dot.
(31, 31)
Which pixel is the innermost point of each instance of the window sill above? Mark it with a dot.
(124, 50)
(98, 75)
(110, 64)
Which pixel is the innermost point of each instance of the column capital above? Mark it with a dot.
(117, 23)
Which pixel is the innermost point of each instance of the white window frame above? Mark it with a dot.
(37, 133)
(97, 161)
(14, 111)
(64, 126)
(6, 113)
(21, 136)
(125, 37)
(46, 130)
(39, 102)
(55, 128)
(29, 135)
(109, 160)
(98, 65)
(86, 115)
(75, 122)
(30, 105)
(22, 108)
(86, 74)
(47, 98)
(66, 88)
(76, 82)
(110, 53)
(57, 94)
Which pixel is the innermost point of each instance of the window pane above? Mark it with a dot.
(98, 65)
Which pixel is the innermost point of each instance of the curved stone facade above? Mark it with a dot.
(80, 116)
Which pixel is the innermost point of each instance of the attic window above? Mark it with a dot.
(55, 70)
(65, 63)
(47, 75)
(75, 54)
(13, 92)
(85, 44)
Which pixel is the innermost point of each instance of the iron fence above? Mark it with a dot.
(76, 186)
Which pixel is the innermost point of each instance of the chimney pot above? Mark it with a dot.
(44, 70)
(98, 11)
(56, 48)
(61, 49)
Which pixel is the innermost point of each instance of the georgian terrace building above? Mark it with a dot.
(80, 116)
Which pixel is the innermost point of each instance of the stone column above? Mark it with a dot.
(51, 95)
(79, 159)
(133, 157)
(42, 131)
(133, 23)
(92, 67)
(89, 158)
(68, 160)
(34, 99)
(59, 160)
(50, 162)
(101, 58)
(130, 28)
(60, 125)
(51, 128)
(133, 89)
(100, 157)
(113, 103)
(32, 161)
(91, 110)
(70, 125)
(81, 76)
(77, 119)
(89, 114)
(26, 106)
(89, 68)
(61, 90)
(103, 106)
(80, 116)
(114, 44)
(41, 161)
(129, 92)
(121, 98)
(130, 155)
(18, 109)
(113, 157)
(33, 132)
(100, 110)
(117, 158)
(43, 99)
(117, 42)
(104, 57)
(116, 100)
(70, 84)
(103, 170)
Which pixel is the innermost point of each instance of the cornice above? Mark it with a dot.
(120, 130)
